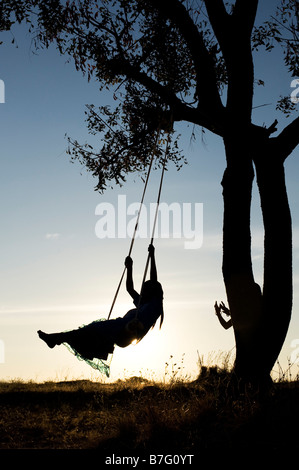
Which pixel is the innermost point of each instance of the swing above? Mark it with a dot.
(83, 342)
(137, 222)
(135, 323)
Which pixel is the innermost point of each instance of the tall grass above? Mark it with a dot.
(138, 414)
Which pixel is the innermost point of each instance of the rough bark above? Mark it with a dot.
(260, 318)
(243, 294)
(277, 288)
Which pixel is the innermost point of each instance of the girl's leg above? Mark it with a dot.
(52, 339)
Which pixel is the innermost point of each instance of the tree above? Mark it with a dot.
(177, 60)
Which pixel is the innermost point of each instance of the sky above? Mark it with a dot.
(58, 274)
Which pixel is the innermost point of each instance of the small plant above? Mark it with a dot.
(173, 371)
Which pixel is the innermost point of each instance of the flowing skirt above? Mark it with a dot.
(94, 343)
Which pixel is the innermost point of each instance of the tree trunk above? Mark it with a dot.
(277, 289)
(244, 296)
(260, 320)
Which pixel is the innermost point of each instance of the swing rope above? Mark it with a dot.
(137, 220)
(154, 226)
(156, 216)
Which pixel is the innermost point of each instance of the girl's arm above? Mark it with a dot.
(226, 324)
(129, 281)
(153, 273)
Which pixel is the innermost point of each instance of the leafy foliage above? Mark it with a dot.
(282, 29)
(11, 12)
(130, 49)
(160, 69)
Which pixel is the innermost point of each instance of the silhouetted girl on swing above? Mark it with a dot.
(97, 340)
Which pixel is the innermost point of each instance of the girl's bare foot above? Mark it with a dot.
(49, 339)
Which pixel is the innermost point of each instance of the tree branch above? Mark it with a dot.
(287, 140)
(220, 21)
(226, 26)
(244, 14)
(180, 111)
(230, 30)
(207, 90)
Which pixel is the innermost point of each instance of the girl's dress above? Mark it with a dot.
(94, 342)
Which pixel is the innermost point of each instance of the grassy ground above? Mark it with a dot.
(140, 417)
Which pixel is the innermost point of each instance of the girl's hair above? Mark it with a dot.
(151, 290)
